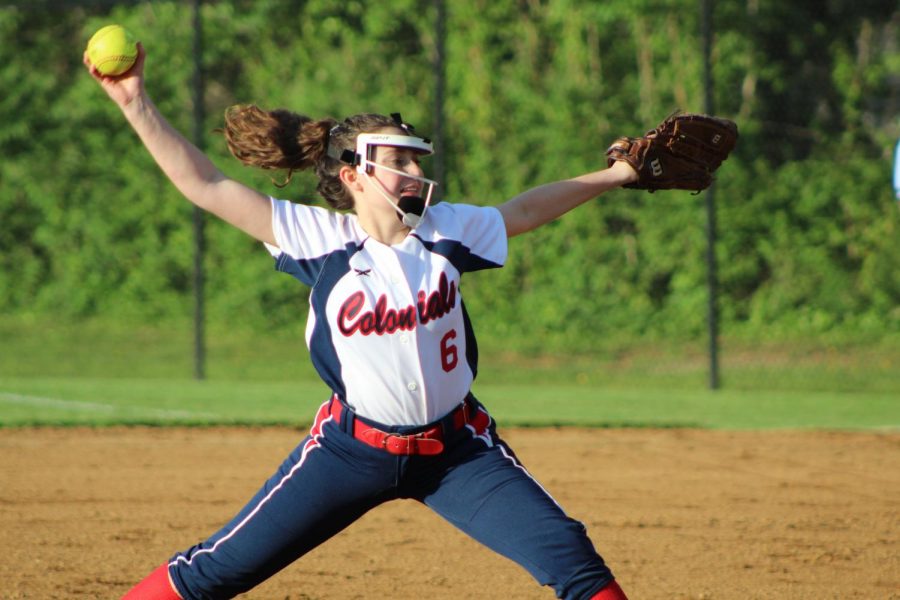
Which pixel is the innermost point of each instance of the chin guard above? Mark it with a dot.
(412, 210)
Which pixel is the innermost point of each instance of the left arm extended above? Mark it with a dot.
(537, 206)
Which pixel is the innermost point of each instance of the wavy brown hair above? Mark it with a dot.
(283, 140)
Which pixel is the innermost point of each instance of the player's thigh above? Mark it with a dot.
(493, 498)
(321, 488)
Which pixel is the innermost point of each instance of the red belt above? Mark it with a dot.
(428, 442)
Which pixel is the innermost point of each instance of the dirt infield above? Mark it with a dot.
(678, 514)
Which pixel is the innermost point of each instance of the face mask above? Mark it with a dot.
(410, 209)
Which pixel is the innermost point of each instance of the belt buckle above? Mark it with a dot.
(396, 448)
(408, 445)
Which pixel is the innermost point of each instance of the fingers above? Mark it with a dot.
(139, 61)
(90, 67)
(137, 69)
(87, 62)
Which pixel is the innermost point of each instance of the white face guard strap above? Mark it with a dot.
(410, 209)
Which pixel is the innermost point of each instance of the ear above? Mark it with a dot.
(350, 178)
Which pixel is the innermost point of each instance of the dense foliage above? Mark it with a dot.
(808, 226)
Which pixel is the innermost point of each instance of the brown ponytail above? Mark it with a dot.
(275, 140)
(283, 140)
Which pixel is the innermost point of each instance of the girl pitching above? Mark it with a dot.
(388, 333)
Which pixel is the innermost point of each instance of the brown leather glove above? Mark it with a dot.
(681, 153)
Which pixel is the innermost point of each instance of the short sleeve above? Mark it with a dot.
(306, 237)
(479, 229)
(307, 232)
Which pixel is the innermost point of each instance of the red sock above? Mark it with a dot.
(155, 586)
(610, 592)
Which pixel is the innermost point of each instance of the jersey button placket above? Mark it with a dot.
(408, 340)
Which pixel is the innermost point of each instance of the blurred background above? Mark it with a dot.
(97, 249)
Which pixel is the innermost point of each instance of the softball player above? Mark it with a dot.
(388, 333)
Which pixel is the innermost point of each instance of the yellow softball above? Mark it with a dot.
(112, 50)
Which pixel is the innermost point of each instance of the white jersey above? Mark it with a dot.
(387, 329)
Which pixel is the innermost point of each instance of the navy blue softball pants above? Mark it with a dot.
(331, 479)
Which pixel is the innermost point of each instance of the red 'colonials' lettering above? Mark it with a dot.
(384, 320)
(438, 303)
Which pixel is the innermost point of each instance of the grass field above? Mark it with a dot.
(90, 401)
(94, 374)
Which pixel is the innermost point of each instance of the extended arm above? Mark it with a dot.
(529, 210)
(184, 164)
